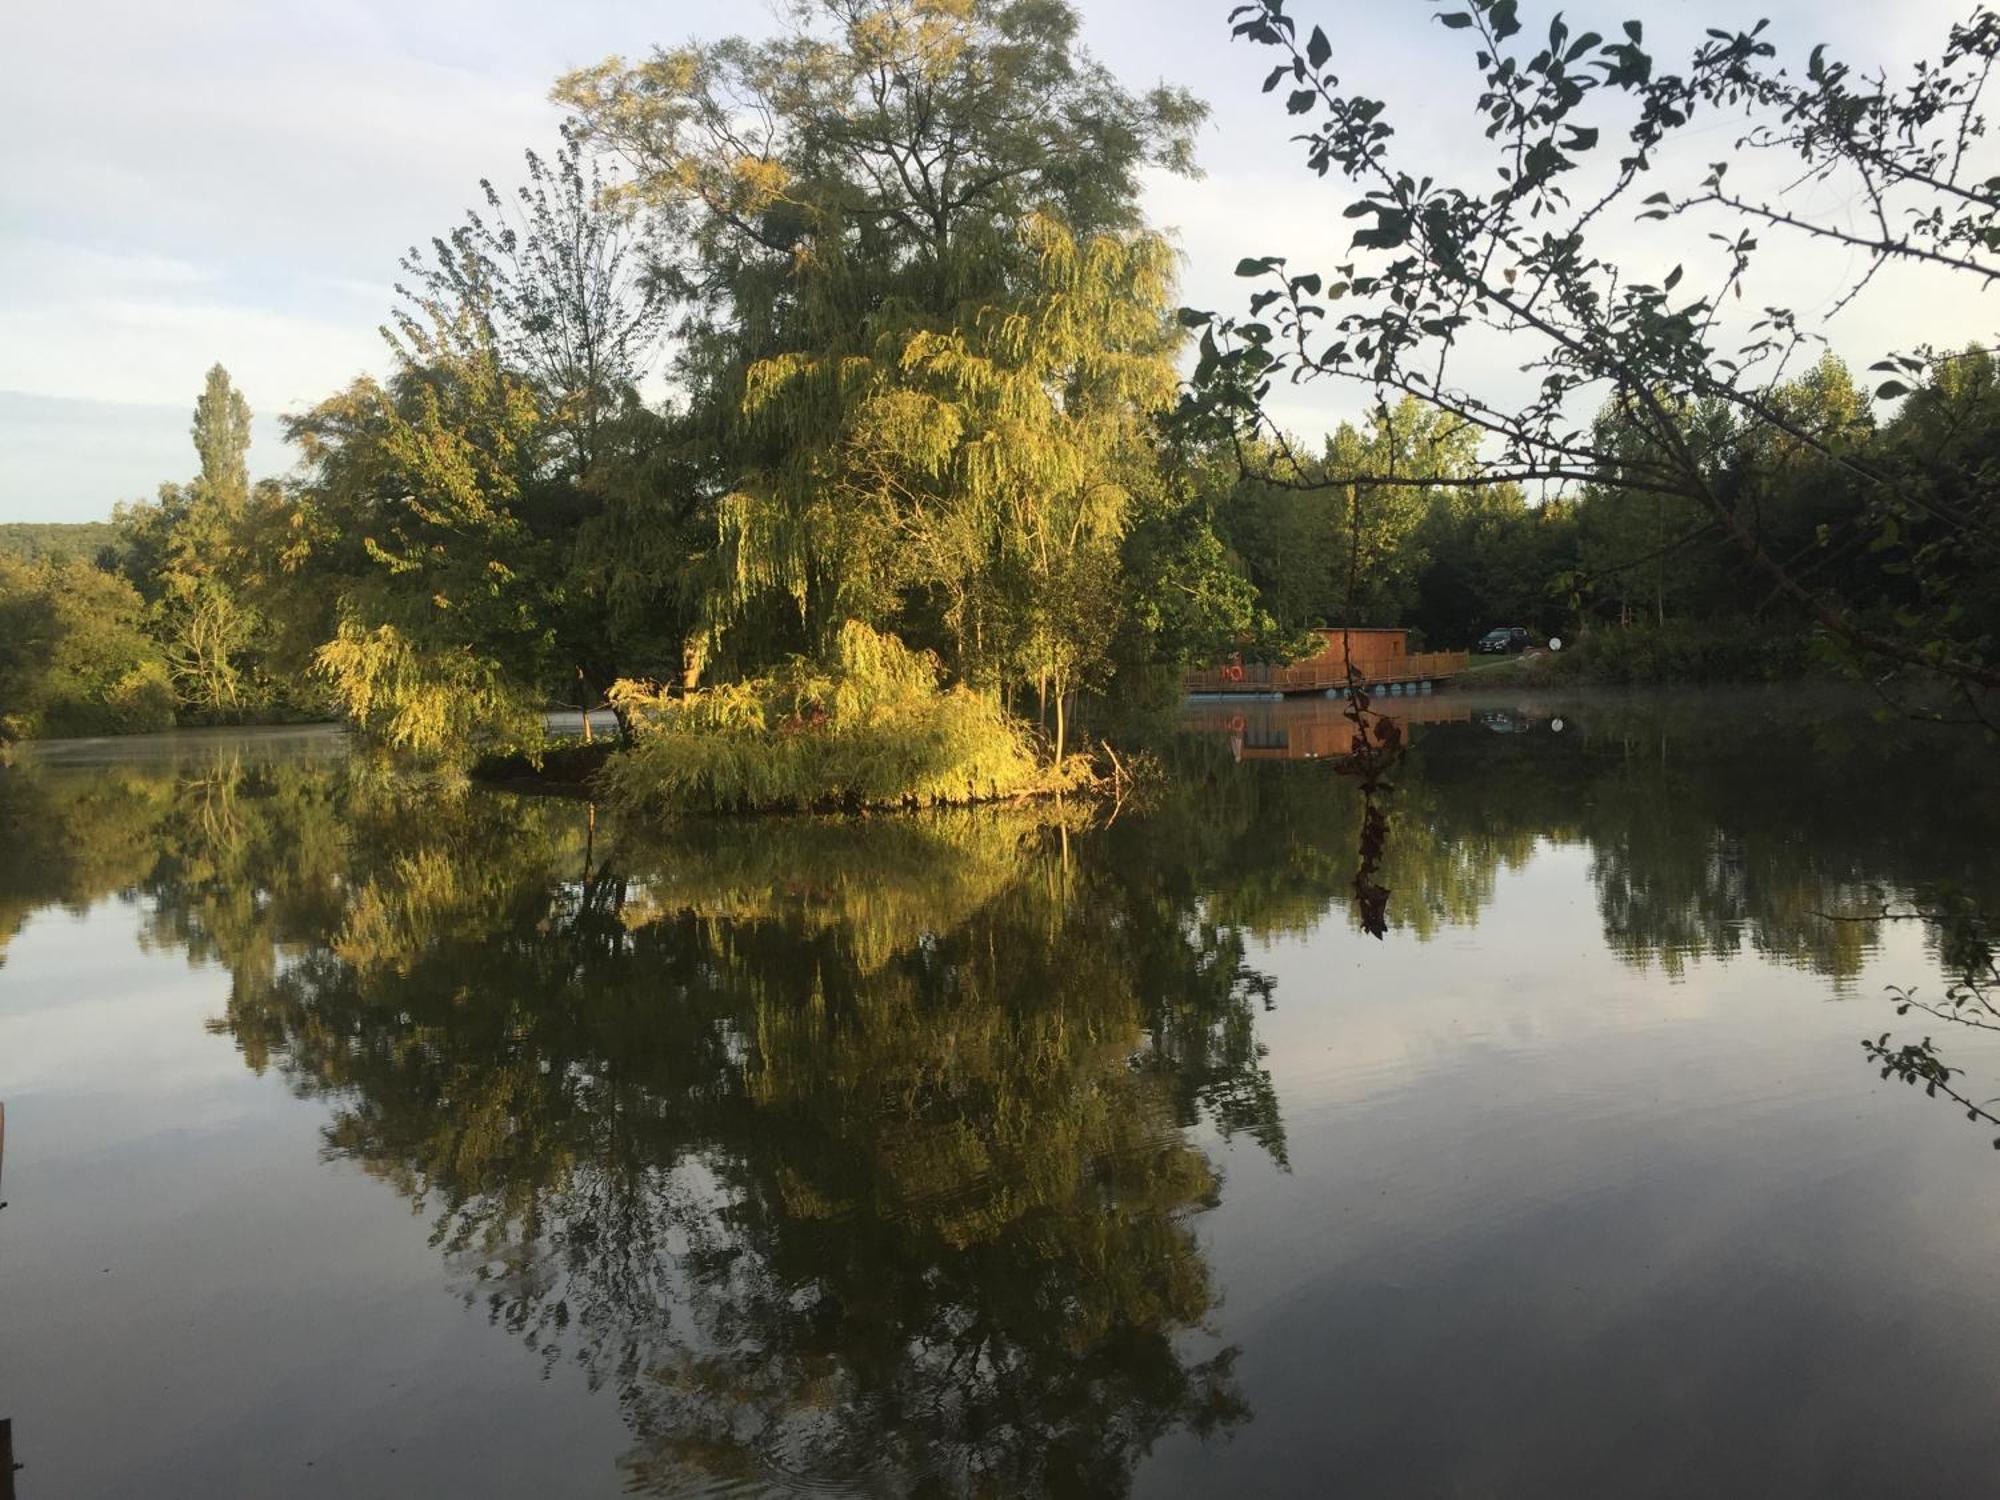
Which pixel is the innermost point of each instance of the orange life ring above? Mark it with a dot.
(1232, 673)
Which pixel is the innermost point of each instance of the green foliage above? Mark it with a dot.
(1186, 599)
(1324, 551)
(1492, 559)
(502, 525)
(923, 338)
(191, 554)
(432, 703)
(1508, 250)
(74, 658)
(903, 126)
(431, 598)
(32, 540)
(873, 727)
(926, 326)
(971, 471)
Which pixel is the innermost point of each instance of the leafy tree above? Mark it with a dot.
(74, 656)
(187, 554)
(978, 467)
(499, 525)
(440, 636)
(883, 210)
(1320, 553)
(557, 276)
(1187, 600)
(902, 128)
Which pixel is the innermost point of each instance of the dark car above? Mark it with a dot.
(1506, 638)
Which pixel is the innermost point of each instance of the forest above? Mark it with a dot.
(821, 406)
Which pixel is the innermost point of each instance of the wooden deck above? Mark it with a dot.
(1328, 670)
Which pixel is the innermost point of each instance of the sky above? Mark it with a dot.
(235, 180)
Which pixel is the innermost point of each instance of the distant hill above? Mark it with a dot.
(33, 539)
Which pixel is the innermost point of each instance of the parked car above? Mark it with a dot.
(1505, 638)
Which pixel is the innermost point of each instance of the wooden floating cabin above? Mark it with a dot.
(1382, 656)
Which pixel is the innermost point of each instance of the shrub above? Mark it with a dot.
(432, 702)
(74, 658)
(873, 727)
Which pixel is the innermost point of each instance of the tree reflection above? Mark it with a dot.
(853, 1151)
(1716, 824)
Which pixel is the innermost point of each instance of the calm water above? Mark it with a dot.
(368, 1137)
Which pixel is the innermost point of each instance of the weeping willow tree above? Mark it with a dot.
(969, 476)
(919, 306)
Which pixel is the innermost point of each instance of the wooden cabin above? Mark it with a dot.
(1381, 655)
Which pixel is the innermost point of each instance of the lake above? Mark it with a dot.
(371, 1134)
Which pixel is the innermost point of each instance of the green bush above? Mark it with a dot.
(141, 701)
(74, 658)
(871, 728)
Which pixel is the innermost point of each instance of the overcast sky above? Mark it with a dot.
(234, 180)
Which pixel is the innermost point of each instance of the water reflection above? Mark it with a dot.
(856, 1152)
(1724, 824)
(865, 1153)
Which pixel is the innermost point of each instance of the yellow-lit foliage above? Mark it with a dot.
(988, 459)
(872, 728)
(429, 702)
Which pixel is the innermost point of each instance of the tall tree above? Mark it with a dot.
(974, 470)
(433, 596)
(559, 276)
(187, 554)
(858, 189)
(500, 525)
(221, 433)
